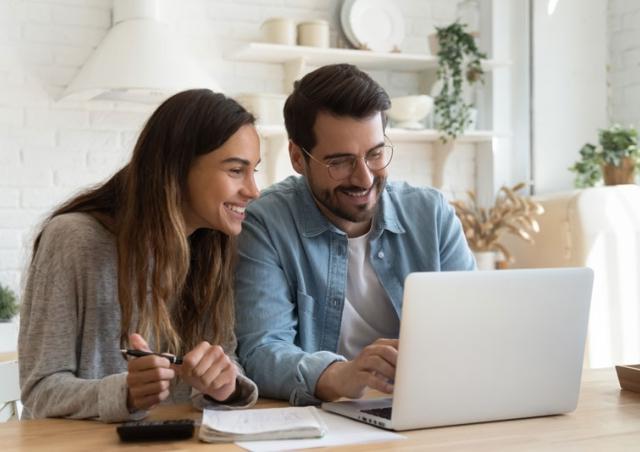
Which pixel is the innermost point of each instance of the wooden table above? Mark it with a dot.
(607, 419)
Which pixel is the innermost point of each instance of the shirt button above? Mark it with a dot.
(380, 254)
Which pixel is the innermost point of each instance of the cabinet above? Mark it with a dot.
(297, 59)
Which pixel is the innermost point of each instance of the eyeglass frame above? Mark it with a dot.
(387, 144)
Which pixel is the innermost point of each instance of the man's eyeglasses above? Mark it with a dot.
(342, 167)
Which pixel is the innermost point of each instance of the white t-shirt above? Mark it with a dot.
(368, 314)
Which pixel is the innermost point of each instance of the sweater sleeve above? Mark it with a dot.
(52, 328)
(245, 396)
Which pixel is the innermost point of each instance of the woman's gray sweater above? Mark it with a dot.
(69, 342)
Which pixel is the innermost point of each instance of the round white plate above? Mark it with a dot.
(376, 24)
(344, 22)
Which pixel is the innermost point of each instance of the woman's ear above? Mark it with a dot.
(296, 157)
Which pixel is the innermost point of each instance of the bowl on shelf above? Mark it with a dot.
(408, 112)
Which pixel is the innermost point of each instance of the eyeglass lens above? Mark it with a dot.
(375, 160)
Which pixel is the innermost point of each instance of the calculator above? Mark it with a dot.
(175, 429)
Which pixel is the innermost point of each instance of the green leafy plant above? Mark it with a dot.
(8, 304)
(618, 147)
(458, 53)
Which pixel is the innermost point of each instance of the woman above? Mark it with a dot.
(147, 256)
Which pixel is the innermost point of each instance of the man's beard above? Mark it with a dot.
(329, 200)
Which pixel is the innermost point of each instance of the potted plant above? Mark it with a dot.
(616, 159)
(483, 227)
(459, 62)
(8, 304)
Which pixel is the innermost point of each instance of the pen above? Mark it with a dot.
(138, 353)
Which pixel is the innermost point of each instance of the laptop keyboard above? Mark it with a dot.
(384, 413)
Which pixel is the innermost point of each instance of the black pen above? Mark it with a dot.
(138, 353)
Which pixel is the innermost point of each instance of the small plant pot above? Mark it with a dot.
(622, 174)
(486, 260)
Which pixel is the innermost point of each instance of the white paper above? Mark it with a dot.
(266, 420)
(340, 431)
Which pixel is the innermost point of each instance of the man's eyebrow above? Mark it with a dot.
(346, 154)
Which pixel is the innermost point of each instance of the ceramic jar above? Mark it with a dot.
(279, 30)
(267, 108)
(314, 33)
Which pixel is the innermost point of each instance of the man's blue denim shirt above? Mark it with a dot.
(292, 276)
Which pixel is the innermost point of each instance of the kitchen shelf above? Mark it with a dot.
(365, 59)
(296, 61)
(397, 135)
(276, 138)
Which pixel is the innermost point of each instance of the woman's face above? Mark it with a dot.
(221, 183)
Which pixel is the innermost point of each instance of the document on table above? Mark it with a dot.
(261, 424)
(340, 431)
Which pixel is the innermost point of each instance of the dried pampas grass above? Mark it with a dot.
(511, 214)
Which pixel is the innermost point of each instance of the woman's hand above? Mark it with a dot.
(208, 369)
(148, 379)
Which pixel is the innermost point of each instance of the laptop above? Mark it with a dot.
(484, 346)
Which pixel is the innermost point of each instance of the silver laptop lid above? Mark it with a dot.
(482, 346)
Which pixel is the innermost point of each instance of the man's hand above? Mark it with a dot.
(148, 379)
(208, 369)
(374, 367)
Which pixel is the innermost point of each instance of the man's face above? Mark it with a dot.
(350, 202)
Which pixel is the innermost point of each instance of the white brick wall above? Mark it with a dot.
(50, 150)
(624, 62)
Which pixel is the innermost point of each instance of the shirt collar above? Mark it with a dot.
(387, 216)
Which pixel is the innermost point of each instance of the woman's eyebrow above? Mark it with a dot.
(239, 160)
(236, 160)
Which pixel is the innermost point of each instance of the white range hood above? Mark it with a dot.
(139, 60)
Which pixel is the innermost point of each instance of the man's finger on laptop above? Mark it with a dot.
(391, 342)
(386, 352)
(379, 383)
(379, 365)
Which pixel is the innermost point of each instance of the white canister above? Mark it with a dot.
(267, 108)
(279, 30)
(314, 33)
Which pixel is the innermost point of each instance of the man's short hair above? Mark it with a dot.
(337, 89)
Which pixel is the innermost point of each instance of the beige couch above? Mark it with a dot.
(598, 228)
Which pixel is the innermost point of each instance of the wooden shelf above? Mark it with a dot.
(316, 56)
(396, 135)
(296, 61)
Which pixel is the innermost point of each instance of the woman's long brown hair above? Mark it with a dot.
(172, 288)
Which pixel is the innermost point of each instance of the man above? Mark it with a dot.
(323, 257)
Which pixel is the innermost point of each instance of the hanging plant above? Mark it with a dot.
(458, 60)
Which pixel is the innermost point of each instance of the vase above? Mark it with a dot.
(485, 260)
(621, 174)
